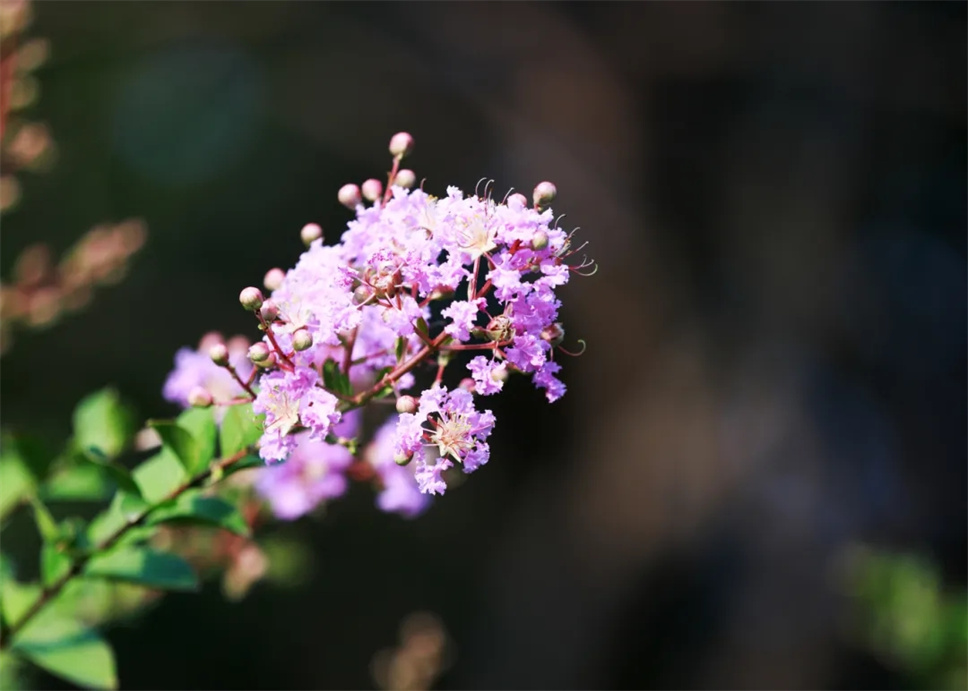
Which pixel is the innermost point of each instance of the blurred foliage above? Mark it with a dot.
(908, 618)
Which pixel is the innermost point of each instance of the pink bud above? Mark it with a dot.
(517, 201)
(310, 233)
(199, 397)
(259, 352)
(401, 144)
(372, 190)
(349, 196)
(302, 339)
(251, 298)
(405, 178)
(467, 384)
(544, 193)
(274, 278)
(406, 404)
(219, 354)
(269, 310)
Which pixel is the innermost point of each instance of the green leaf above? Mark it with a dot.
(46, 524)
(336, 380)
(103, 423)
(192, 507)
(144, 567)
(16, 482)
(82, 482)
(200, 423)
(177, 440)
(54, 563)
(158, 476)
(191, 438)
(124, 509)
(73, 653)
(17, 599)
(244, 464)
(240, 429)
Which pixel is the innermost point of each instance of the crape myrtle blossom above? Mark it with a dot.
(412, 284)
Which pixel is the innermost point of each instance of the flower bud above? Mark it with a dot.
(401, 144)
(251, 298)
(372, 190)
(539, 241)
(349, 196)
(269, 362)
(544, 193)
(199, 397)
(500, 328)
(219, 354)
(405, 178)
(517, 201)
(302, 339)
(259, 352)
(401, 459)
(310, 233)
(269, 310)
(467, 384)
(361, 295)
(210, 339)
(406, 404)
(553, 334)
(274, 278)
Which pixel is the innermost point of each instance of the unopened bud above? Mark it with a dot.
(361, 295)
(372, 189)
(269, 310)
(401, 144)
(539, 241)
(251, 298)
(500, 328)
(199, 397)
(544, 193)
(259, 352)
(349, 196)
(467, 384)
(310, 233)
(302, 339)
(219, 354)
(406, 404)
(402, 459)
(274, 278)
(269, 362)
(405, 178)
(210, 339)
(517, 201)
(553, 334)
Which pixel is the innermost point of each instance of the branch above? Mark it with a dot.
(51, 591)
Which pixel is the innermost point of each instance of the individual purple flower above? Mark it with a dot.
(463, 314)
(448, 421)
(399, 492)
(289, 399)
(545, 378)
(313, 473)
(488, 375)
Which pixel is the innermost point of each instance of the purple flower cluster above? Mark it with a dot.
(414, 281)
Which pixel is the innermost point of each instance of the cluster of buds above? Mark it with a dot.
(414, 282)
(41, 292)
(23, 145)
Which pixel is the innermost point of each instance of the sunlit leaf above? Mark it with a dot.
(71, 652)
(158, 476)
(145, 567)
(192, 507)
(240, 428)
(102, 423)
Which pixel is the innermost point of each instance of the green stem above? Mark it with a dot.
(53, 590)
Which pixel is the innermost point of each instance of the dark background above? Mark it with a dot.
(776, 196)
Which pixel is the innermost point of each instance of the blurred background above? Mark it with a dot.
(775, 383)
